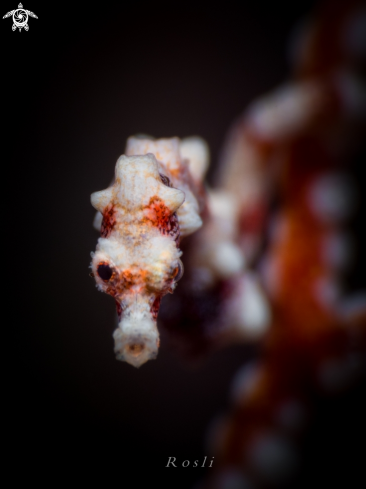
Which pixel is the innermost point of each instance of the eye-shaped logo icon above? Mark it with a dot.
(20, 17)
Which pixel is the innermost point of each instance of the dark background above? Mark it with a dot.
(77, 84)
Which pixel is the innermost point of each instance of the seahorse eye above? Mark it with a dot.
(165, 180)
(178, 271)
(104, 271)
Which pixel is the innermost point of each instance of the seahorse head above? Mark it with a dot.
(137, 259)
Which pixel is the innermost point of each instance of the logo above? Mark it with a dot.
(20, 17)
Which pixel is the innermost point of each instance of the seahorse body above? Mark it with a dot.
(145, 213)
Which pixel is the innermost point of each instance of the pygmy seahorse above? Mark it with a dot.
(152, 204)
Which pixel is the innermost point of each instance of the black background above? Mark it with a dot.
(77, 84)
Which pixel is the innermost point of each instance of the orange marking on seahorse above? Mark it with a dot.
(159, 215)
(120, 283)
(109, 220)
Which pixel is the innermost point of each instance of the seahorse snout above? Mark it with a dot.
(136, 340)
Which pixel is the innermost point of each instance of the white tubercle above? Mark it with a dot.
(195, 150)
(249, 310)
(219, 251)
(101, 199)
(223, 205)
(226, 259)
(283, 113)
(97, 223)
